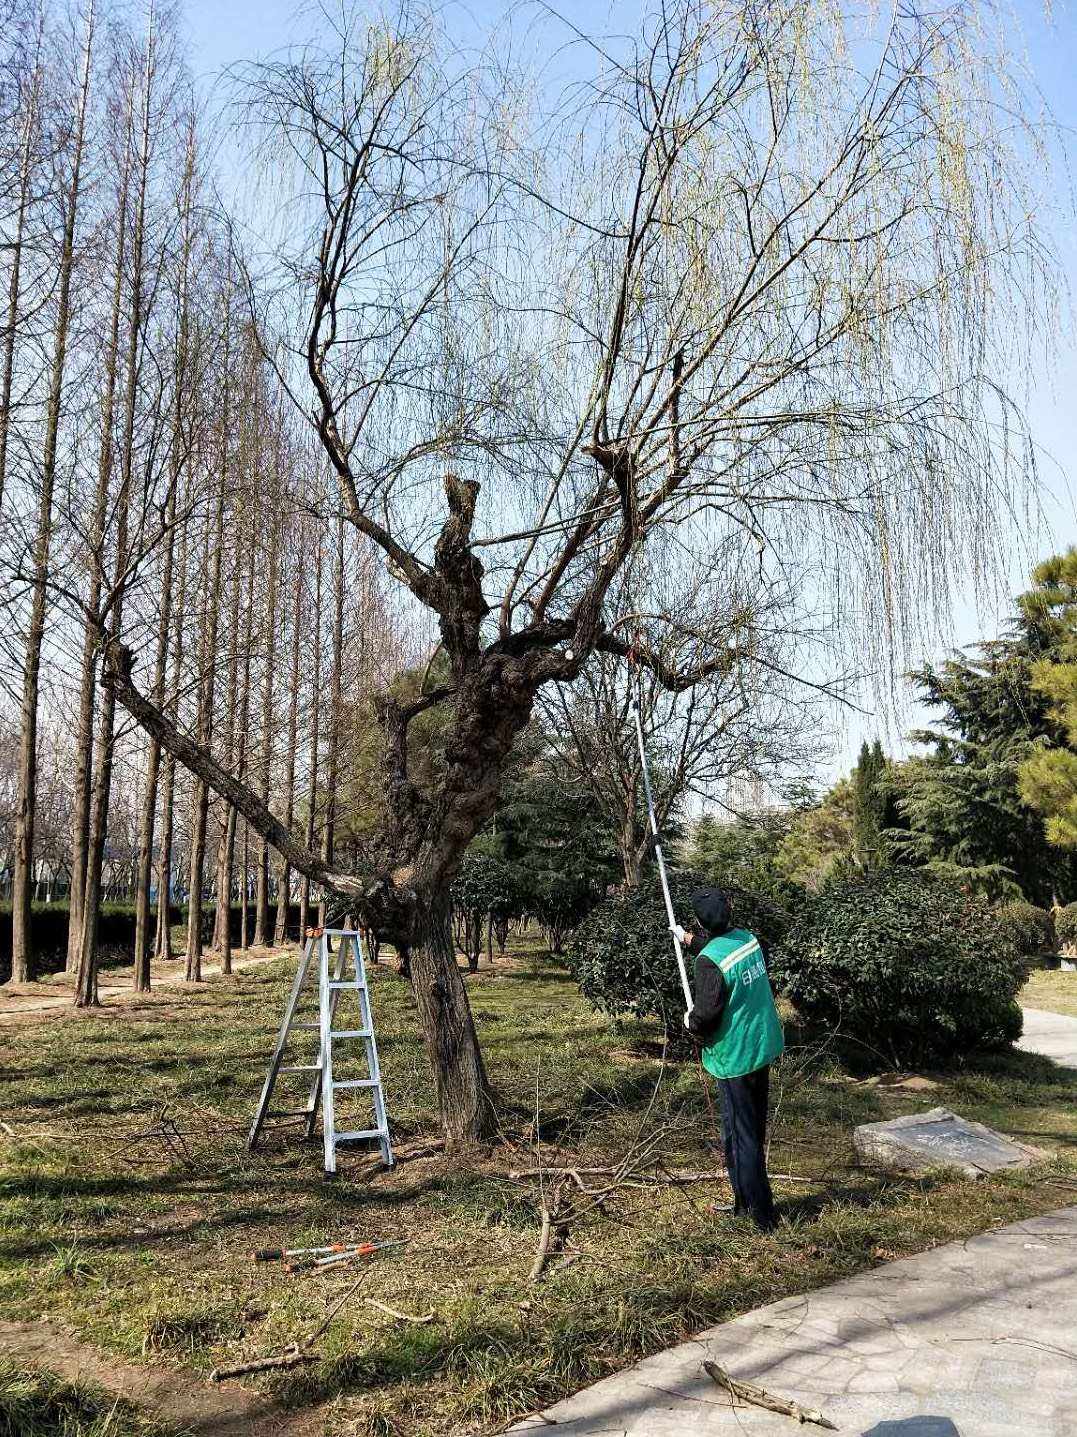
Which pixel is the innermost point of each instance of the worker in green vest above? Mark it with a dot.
(735, 1020)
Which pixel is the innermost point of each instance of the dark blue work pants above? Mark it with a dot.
(744, 1131)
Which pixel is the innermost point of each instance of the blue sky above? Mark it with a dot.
(223, 33)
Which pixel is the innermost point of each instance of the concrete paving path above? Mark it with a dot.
(974, 1339)
(31, 998)
(1054, 1035)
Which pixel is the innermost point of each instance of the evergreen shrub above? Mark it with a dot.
(1066, 926)
(49, 922)
(909, 966)
(1031, 928)
(622, 955)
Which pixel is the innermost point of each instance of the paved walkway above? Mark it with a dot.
(1052, 1034)
(975, 1339)
(31, 998)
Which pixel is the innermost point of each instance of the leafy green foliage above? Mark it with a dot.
(1032, 929)
(744, 854)
(912, 968)
(971, 803)
(622, 955)
(488, 885)
(363, 757)
(818, 843)
(1066, 926)
(1048, 775)
(548, 831)
(782, 851)
(874, 810)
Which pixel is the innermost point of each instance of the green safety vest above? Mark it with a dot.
(749, 1032)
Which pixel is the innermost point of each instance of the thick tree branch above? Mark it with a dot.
(675, 680)
(116, 675)
(459, 598)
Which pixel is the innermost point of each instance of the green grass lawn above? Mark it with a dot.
(1051, 989)
(141, 1245)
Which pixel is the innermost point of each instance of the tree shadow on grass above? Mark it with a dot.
(404, 1354)
(808, 1207)
(627, 1093)
(117, 1242)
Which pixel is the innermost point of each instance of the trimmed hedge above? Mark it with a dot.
(1066, 926)
(1032, 929)
(622, 955)
(116, 930)
(49, 923)
(910, 967)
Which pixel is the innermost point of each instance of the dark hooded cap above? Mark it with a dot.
(711, 907)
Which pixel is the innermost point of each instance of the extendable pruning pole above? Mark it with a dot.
(634, 709)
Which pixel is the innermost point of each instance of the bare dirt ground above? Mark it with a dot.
(173, 1396)
(51, 997)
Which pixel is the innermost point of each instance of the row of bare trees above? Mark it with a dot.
(153, 481)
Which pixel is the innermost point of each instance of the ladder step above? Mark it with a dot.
(289, 1113)
(301, 1068)
(339, 984)
(307, 1027)
(354, 1137)
(352, 1033)
(358, 1083)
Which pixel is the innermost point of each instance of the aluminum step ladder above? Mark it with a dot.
(348, 976)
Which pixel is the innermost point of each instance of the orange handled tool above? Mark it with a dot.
(365, 1249)
(274, 1254)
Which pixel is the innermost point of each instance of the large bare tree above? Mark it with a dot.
(740, 282)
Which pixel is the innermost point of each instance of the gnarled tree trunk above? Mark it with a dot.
(465, 1101)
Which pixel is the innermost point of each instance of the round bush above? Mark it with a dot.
(912, 968)
(487, 884)
(622, 954)
(1066, 927)
(1032, 929)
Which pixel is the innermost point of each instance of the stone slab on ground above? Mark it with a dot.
(939, 1138)
(1053, 1035)
(973, 1339)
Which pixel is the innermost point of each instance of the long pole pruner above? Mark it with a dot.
(634, 711)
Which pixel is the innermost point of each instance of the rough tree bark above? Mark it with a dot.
(244, 712)
(163, 944)
(332, 757)
(265, 764)
(424, 839)
(84, 744)
(153, 759)
(177, 462)
(315, 733)
(15, 248)
(207, 659)
(284, 876)
(26, 801)
(222, 931)
(86, 974)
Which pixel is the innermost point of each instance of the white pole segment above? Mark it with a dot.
(658, 854)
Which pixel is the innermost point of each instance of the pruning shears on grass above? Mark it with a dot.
(312, 1257)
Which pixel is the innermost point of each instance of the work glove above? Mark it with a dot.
(679, 933)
